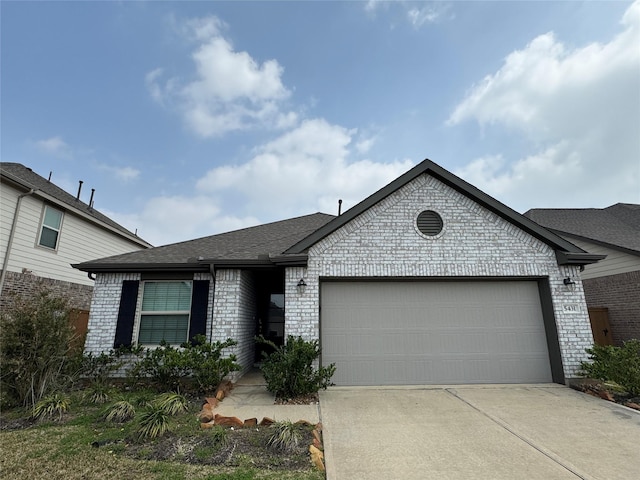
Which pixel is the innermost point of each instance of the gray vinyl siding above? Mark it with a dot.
(615, 263)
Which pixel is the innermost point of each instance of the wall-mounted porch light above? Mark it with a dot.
(567, 281)
(301, 286)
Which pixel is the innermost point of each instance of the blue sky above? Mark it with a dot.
(195, 118)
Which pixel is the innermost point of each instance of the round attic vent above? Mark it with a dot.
(429, 223)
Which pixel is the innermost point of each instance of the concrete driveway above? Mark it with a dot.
(477, 432)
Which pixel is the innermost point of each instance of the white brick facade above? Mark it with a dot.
(234, 314)
(106, 302)
(384, 242)
(381, 242)
(104, 311)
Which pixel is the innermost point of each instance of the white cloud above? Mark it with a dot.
(229, 90)
(417, 13)
(54, 146)
(425, 13)
(364, 144)
(124, 174)
(300, 172)
(170, 219)
(151, 80)
(202, 29)
(371, 5)
(579, 107)
(303, 171)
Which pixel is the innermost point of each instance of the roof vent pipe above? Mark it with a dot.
(339, 207)
(93, 190)
(79, 189)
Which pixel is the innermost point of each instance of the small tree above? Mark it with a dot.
(289, 370)
(36, 350)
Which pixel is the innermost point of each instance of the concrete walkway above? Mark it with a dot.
(250, 399)
(477, 432)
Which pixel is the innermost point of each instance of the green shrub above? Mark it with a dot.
(289, 371)
(97, 393)
(175, 368)
(287, 436)
(208, 366)
(172, 403)
(143, 398)
(100, 368)
(36, 353)
(51, 405)
(220, 435)
(165, 365)
(616, 364)
(120, 412)
(153, 423)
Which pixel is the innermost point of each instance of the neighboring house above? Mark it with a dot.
(427, 281)
(44, 230)
(612, 283)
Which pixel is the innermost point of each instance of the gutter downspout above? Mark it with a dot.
(212, 271)
(14, 224)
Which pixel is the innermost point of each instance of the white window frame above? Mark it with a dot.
(142, 313)
(43, 226)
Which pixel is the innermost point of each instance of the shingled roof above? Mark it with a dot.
(27, 179)
(286, 242)
(617, 226)
(253, 246)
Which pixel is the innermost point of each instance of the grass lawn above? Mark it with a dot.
(62, 449)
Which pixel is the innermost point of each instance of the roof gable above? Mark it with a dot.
(567, 252)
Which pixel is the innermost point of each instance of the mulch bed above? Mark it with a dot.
(311, 399)
(599, 389)
(244, 447)
(16, 423)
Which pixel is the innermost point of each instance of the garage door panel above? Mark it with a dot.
(433, 332)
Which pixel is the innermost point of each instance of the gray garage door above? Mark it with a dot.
(386, 333)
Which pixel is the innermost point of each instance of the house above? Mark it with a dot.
(427, 281)
(612, 284)
(44, 230)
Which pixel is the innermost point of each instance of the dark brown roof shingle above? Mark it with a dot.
(617, 225)
(247, 244)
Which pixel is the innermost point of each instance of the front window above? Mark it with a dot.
(50, 230)
(165, 313)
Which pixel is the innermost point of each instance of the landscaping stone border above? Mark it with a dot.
(208, 419)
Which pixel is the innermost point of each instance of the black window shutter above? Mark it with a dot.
(126, 313)
(199, 302)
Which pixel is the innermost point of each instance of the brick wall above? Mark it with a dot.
(234, 314)
(301, 309)
(246, 325)
(621, 295)
(27, 284)
(384, 242)
(105, 305)
(104, 311)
